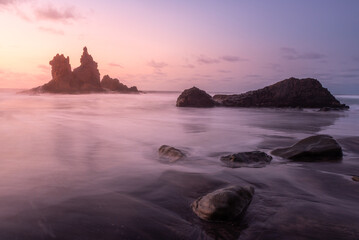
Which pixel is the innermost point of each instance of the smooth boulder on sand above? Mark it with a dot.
(171, 154)
(314, 148)
(226, 204)
(247, 159)
(289, 93)
(195, 97)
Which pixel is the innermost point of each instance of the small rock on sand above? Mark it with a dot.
(247, 159)
(226, 204)
(170, 153)
(318, 147)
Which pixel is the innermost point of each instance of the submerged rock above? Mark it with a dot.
(195, 97)
(226, 204)
(170, 153)
(319, 147)
(113, 84)
(247, 159)
(355, 178)
(292, 92)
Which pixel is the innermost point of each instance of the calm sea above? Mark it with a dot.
(87, 167)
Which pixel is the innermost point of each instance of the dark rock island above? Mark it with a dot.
(292, 92)
(289, 93)
(195, 97)
(83, 79)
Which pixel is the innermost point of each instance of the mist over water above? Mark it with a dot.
(87, 167)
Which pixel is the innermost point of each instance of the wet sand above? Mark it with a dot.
(94, 173)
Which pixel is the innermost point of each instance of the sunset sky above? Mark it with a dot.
(217, 45)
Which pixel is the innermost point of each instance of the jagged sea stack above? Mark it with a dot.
(87, 74)
(83, 79)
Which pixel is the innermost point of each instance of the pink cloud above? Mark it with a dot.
(53, 14)
(115, 65)
(7, 2)
(188, 66)
(157, 65)
(51, 30)
(44, 67)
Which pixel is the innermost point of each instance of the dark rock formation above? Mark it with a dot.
(247, 159)
(195, 97)
(355, 178)
(226, 204)
(171, 154)
(62, 78)
(84, 79)
(113, 84)
(87, 74)
(292, 92)
(314, 148)
(61, 67)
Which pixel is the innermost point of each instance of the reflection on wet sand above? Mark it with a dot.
(295, 121)
(87, 167)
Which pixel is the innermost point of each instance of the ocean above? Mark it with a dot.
(87, 167)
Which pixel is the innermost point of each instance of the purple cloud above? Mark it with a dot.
(353, 70)
(206, 60)
(292, 54)
(157, 65)
(349, 75)
(233, 59)
(311, 56)
(252, 76)
(290, 51)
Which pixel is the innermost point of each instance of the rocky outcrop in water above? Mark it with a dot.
(87, 74)
(83, 79)
(292, 92)
(171, 154)
(314, 148)
(62, 77)
(113, 84)
(226, 204)
(195, 97)
(247, 159)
